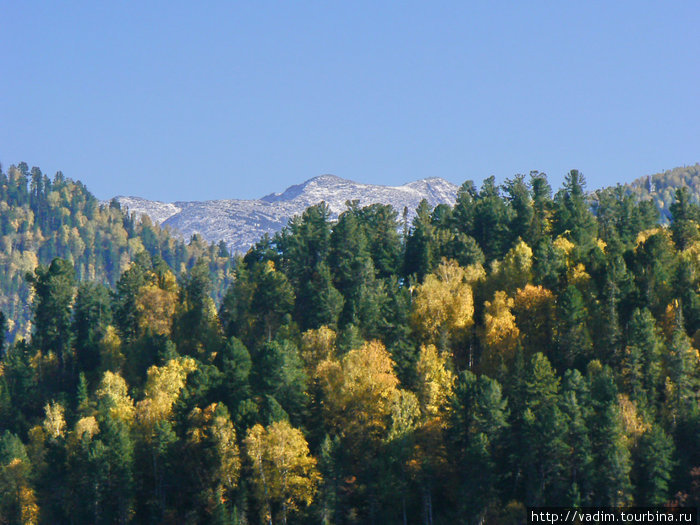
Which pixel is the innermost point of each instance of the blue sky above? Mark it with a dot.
(205, 100)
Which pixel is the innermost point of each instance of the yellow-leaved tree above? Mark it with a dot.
(359, 391)
(443, 306)
(156, 302)
(154, 411)
(435, 382)
(213, 458)
(500, 333)
(114, 391)
(17, 499)
(435, 385)
(515, 270)
(111, 356)
(54, 422)
(284, 472)
(317, 346)
(163, 386)
(534, 309)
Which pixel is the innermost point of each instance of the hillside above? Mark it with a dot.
(513, 350)
(41, 219)
(661, 187)
(241, 223)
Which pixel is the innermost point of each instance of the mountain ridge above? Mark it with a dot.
(242, 222)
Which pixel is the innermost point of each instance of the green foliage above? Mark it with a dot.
(572, 215)
(661, 188)
(343, 378)
(654, 467)
(573, 338)
(42, 219)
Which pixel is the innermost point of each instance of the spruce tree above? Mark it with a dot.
(574, 342)
(544, 448)
(54, 291)
(654, 467)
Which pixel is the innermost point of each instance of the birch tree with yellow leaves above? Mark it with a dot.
(283, 470)
(443, 306)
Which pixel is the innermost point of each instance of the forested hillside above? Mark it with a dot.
(661, 187)
(512, 350)
(41, 219)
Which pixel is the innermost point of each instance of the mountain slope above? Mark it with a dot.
(661, 187)
(241, 223)
(41, 218)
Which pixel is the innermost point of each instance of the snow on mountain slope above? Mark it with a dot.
(241, 223)
(156, 210)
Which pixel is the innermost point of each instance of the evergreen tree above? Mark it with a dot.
(272, 300)
(322, 302)
(641, 367)
(478, 422)
(196, 327)
(654, 263)
(380, 225)
(523, 212)
(352, 266)
(683, 382)
(492, 218)
(54, 290)
(278, 372)
(572, 215)
(685, 216)
(420, 252)
(549, 266)
(463, 212)
(611, 454)
(544, 448)
(542, 205)
(654, 467)
(92, 314)
(685, 289)
(127, 289)
(575, 402)
(573, 339)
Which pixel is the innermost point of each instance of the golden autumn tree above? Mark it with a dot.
(284, 472)
(364, 409)
(163, 386)
(435, 381)
(154, 413)
(359, 390)
(444, 304)
(534, 309)
(515, 270)
(156, 302)
(499, 334)
(114, 392)
(54, 422)
(213, 458)
(435, 384)
(111, 356)
(17, 498)
(317, 346)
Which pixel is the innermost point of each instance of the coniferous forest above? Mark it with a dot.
(524, 347)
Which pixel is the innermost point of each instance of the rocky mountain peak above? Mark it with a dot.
(241, 223)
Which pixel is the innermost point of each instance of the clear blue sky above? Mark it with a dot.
(204, 100)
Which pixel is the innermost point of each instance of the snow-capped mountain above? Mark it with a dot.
(241, 223)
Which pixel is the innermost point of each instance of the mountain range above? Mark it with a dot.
(241, 223)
